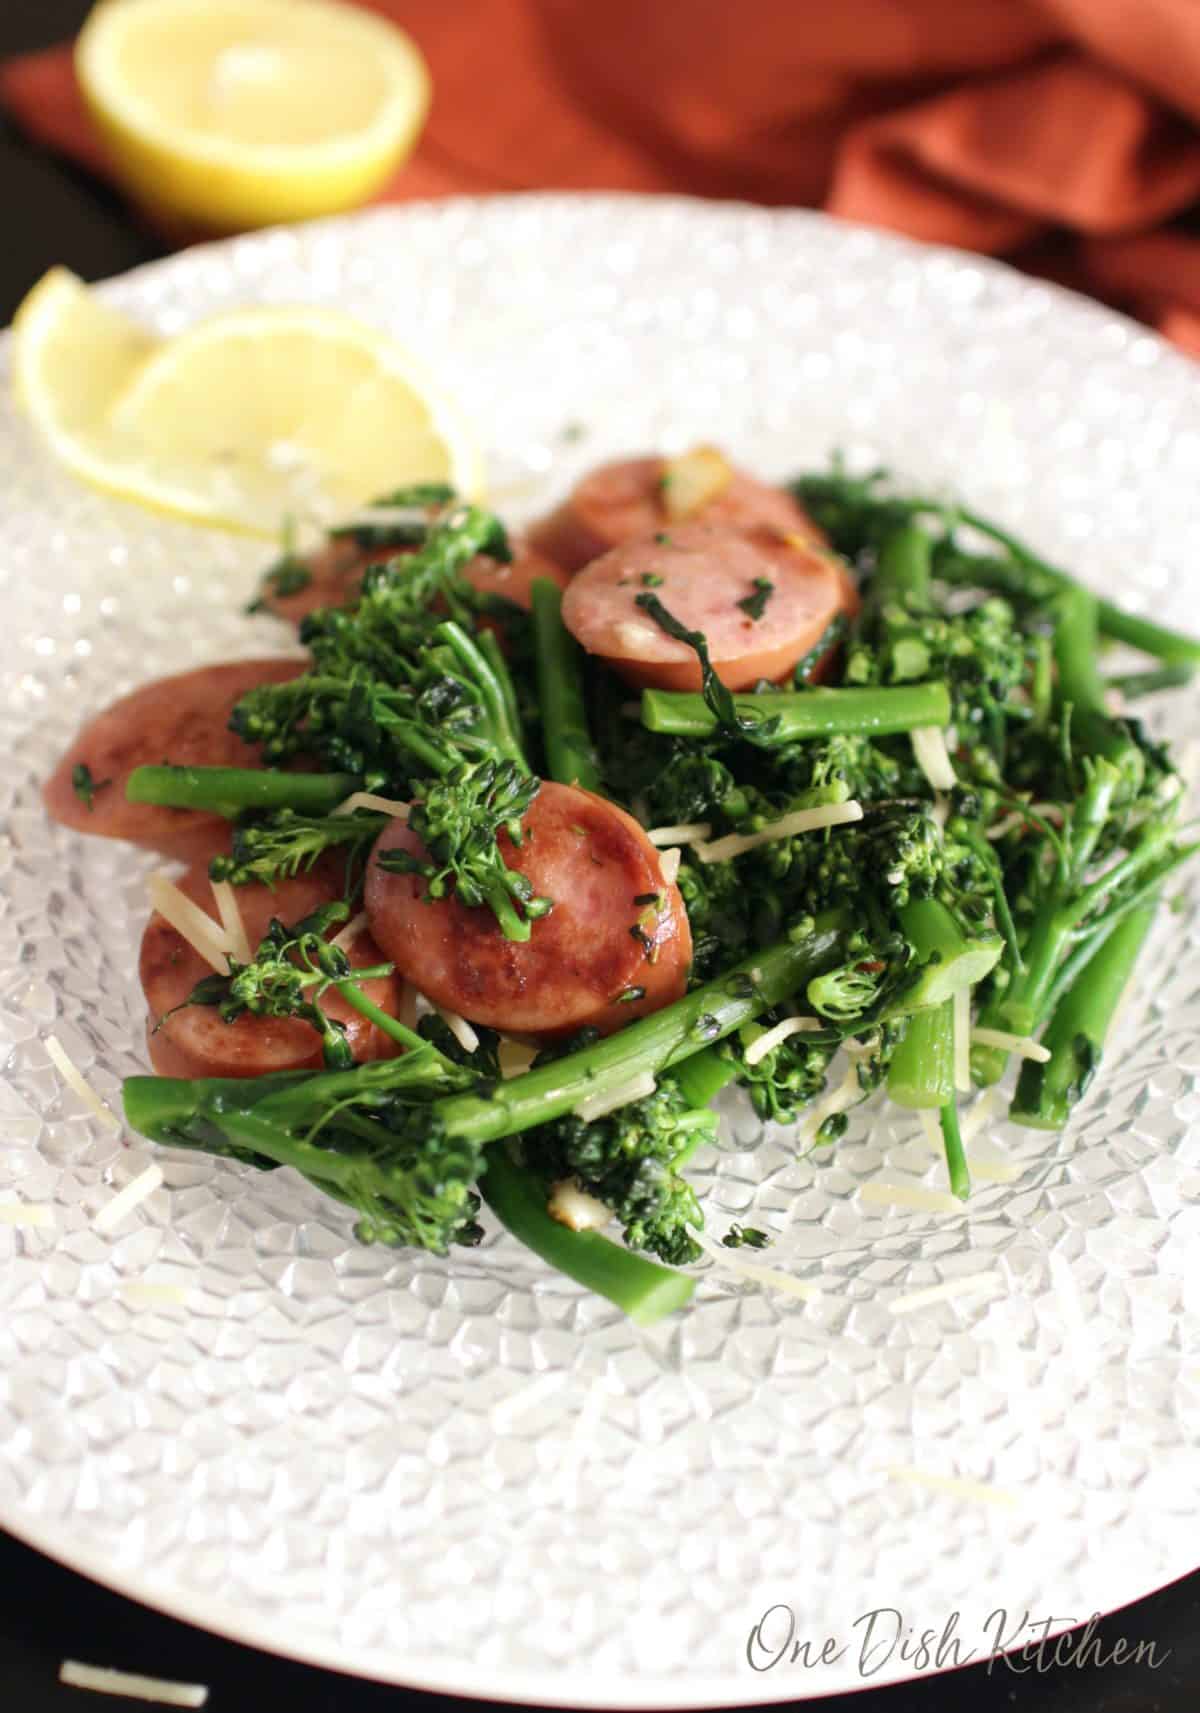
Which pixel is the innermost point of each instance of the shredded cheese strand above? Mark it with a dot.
(77, 1082)
(932, 1129)
(114, 1211)
(933, 758)
(910, 1195)
(802, 821)
(231, 920)
(847, 1094)
(668, 864)
(962, 1040)
(979, 1115)
(599, 1105)
(206, 937)
(951, 1290)
(1024, 1046)
(686, 833)
(769, 1278)
(26, 1213)
(575, 1208)
(346, 937)
(775, 1036)
(514, 1057)
(106, 1680)
(368, 800)
(955, 1485)
(458, 1026)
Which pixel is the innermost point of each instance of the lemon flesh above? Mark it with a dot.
(243, 421)
(237, 113)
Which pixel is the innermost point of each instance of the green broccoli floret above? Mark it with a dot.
(630, 1161)
(267, 849)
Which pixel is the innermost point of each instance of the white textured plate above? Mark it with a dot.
(337, 1452)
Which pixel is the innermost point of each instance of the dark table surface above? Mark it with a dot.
(55, 214)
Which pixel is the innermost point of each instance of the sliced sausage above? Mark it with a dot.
(615, 945)
(195, 1042)
(623, 502)
(701, 575)
(185, 720)
(336, 573)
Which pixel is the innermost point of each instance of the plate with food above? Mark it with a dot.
(601, 1035)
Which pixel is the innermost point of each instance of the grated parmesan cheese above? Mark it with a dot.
(458, 1026)
(598, 1105)
(668, 865)
(932, 1129)
(770, 1278)
(933, 758)
(347, 935)
(847, 1094)
(231, 920)
(76, 1081)
(517, 1403)
(803, 821)
(105, 1680)
(910, 1195)
(26, 1213)
(979, 1115)
(962, 1040)
(774, 1037)
(368, 800)
(1023, 1045)
(686, 833)
(514, 1057)
(955, 1485)
(994, 1171)
(206, 937)
(135, 1191)
(142, 1293)
(575, 1208)
(949, 1290)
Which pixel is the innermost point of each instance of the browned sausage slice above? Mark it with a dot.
(196, 1043)
(336, 572)
(701, 575)
(615, 945)
(624, 501)
(184, 719)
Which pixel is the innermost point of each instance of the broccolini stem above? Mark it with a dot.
(494, 692)
(956, 1158)
(921, 1074)
(791, 715)
(704, 1075)
(652, 1043)
(390, 1026)
(489, 645)
(570, 756)
(1080, 686)
(1170, 677)
(904, 571)
(230, 790)
(643, 1289)
(948, 960)
(1075, 1036)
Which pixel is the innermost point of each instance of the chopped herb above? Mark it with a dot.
(638, 933)
(84, 786)
(651, 581)
(745, 1236)
(629, 995)
(755, 605)
(663, 539)
(648, 898)
(716, 695)
(571, 432)
(286, 577)
(583, 833)
(833, 1129)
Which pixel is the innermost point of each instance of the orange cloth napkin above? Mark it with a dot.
(1063, 134)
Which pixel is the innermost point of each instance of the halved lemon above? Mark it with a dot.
(244, 420)
(230, 114)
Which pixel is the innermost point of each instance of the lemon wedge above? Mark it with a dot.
(229, 114)
(242, 421)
